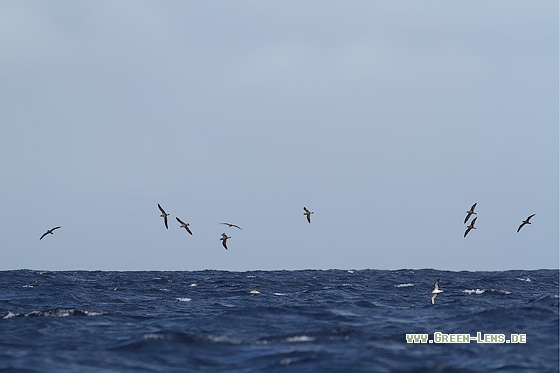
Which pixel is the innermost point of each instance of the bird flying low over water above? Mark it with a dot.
(193, 284)
(232, 225)
(469, 213)
(48, 231)
(224, 239)
(164, 215)
(308, 213)
(525, 222)
(33, 281)
(436, 291)
(471, 226)
(184, 225)
(255, 291)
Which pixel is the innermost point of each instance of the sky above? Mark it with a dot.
(387, 119)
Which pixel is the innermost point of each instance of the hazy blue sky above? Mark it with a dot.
(388, 119)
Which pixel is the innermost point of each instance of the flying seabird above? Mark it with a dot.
(308, 213)
(33, 281)
(469, 213)
(436, 291)
(224, 239)
(525, 222)
(471, 226)
(47, 232)
(232, 225)
(193, 284)
(164, 215)
(117, 287)
(184, 225)
(255, 291)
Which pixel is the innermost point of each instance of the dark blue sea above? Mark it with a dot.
(302, 321)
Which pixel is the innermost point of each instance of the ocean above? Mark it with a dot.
(301, 321)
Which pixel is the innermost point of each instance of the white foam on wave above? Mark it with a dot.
(350, 271)
(223, 339)
(183, 299)
(477, 291)
(279, 294)
(523, 279)
(501, 291)
(404, 285)
(10, 315)
(93, 313)
(153, 336)
(301, 338)
(340, 312)
(288, 361)
(251, 276)
(63, 312)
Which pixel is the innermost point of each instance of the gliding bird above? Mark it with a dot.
(525, 222)
(469, 213)
(47, 232)
(184, 225)
(164, 215)
(471, 226)
(308, 213)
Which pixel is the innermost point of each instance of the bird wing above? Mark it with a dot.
(165, 221)
(33, 281)
(55, 228)
(434, 298)
(467, 218)
(473, 206)
(529, 218)
(188, 230)
(467, 231)
(160, 209)
(224, 243)
(436, 284)
(232, 225)
(521, 226)
(44, 234)
(309, 218)
(472, 222)
(179, 220)
(305, 209)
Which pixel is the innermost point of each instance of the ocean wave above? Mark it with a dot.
(500, 291)
(10, 315)
(328, 321)
(153, 336)
(300, 338)
(477, 291)
(59, 312)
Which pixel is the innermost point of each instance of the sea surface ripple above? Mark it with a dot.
(302, 321)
